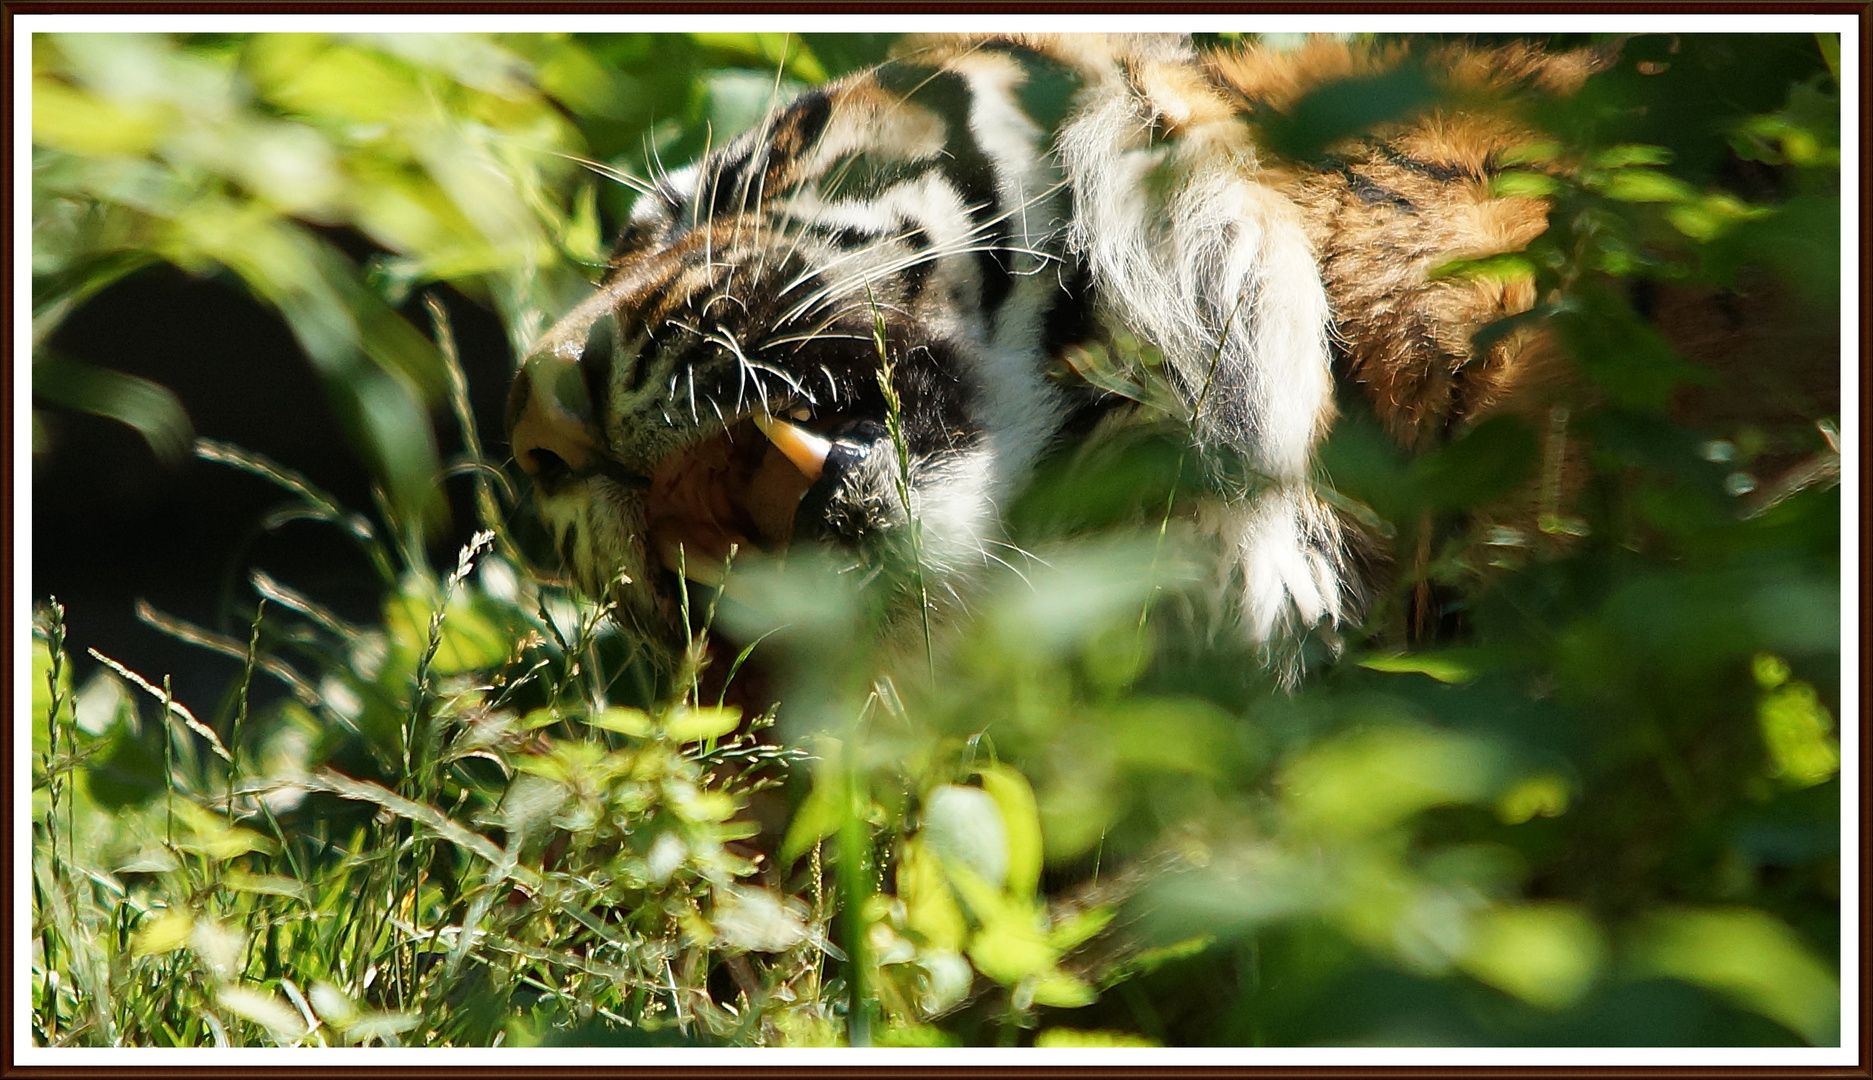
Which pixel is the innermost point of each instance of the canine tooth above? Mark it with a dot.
(806, 450)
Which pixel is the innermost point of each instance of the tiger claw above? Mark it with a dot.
(806, 450)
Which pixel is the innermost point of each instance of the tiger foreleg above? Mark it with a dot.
(1191, 253)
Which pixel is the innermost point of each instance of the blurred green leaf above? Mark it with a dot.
(931, 910)
(163, 932)
(965, 827)
(1629, 155)
(1622, 354)
(1523, 183)
(1369, 780)
(824, 807)
(470, 636)
(686, 724)
(1800, 241)
(1445, 667)
(1798, 731)
(152, 410)
(1545, 954)
(210, 835)
(1543, 794)
(625, 721)
(1643, 186)
(1496, 269)
(1347, 107)
(785, 51)
(1021, 823)
(1749, 956)
(1485, 463)
(1058, 1037)
(68, 119)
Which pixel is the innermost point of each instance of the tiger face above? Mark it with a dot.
(853, 318)
(726, 390)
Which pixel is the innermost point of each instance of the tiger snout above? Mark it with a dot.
(640, 497)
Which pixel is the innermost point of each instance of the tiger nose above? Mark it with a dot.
(550, 422)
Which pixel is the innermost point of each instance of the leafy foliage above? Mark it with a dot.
(1602, 810)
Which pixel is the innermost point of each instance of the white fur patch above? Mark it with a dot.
(1191, 253)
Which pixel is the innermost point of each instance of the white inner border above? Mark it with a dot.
(1847, 26)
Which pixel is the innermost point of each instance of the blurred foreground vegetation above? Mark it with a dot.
(1600, 808)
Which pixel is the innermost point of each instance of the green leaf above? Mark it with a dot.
(209, 834)
(1712, 216)
(1798, 732)
(1486, 463)
(1630, 154)
(149, 408)
(767, 50)
(1500, 269)
(1530, 153)
(930, 908)
(1080, 927)
(1207, 742)
(574, 76)
(265, 884)
(1545, 954)
(536, 719)
(1544, 794)
(333, 83)
(1749, 956)
(1643, 186)
(824, 808)
(582, 238)
(1800, 241)
(704, 806)
(1523, 183)
(1009, 948)
(1437, 667)
(1062, 991)
(1450, 666)
(69, 119)
(1022, 822)
(1624, 355)
(1370, 780)
(1072, 1038)
(163, 933)
(471, 638)
(623, 720)
(690, 724)
(1347, 107)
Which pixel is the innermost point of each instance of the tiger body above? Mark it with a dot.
(964, 215)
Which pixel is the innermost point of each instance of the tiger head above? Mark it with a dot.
(834, 325)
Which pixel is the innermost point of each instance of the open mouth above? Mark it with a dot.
(736, 490)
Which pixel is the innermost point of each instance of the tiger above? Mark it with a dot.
(863, 313)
